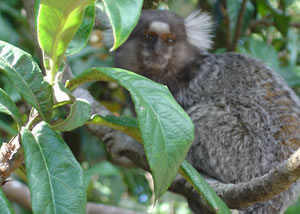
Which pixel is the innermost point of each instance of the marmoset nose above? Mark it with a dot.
(158, 47)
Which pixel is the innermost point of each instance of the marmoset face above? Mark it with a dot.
(157, 44)
(162, 43)
(159, 33)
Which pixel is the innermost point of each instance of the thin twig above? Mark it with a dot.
(227, 25)
(239, 26)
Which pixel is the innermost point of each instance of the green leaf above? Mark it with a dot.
(58, 21)
(293, 44)
(166, 129)
(249, 12)
(281, 22)
(233, 8)
(7, 106)
(8, 128)
(123, 124)
(36, 11)
(82, 36)
(123, 16)
(281, 19)
(5, 206)
(104, 168)
(56, 180)
(27, 78)
(8, 32)
(263, 51)
(233, 11)
(199, 183)
(291, 74)
(79, 114)
(183, 8)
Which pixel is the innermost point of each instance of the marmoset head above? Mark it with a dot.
(162, 43)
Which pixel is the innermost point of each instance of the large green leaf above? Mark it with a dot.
(82, 36)
(79, 114)
(58, 21)
(166, 130)
(7, 106)
(123, 16)
(27, 78)
(199, 183)
(56, 180)
(5, 206)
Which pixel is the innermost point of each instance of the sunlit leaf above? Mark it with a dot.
(123, 16)
(82, 36)
(58, 21)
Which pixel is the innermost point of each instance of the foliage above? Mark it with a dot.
(267, 30)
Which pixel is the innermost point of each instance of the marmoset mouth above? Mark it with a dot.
(155, 62)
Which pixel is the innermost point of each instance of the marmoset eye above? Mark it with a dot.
(169, 39)
(149, 36)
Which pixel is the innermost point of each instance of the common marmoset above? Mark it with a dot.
(247, 119)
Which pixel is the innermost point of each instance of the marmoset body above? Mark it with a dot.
(247, 119)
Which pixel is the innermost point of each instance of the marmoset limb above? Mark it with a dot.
(247, 119)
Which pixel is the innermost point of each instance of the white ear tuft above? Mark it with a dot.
(198, 27)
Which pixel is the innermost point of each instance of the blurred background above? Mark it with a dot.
(266, 29)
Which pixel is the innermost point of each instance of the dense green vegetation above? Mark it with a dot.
(268, 30)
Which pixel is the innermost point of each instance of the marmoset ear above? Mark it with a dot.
(198, 28)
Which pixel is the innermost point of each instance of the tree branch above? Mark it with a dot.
(18, 192)
(261, 188)
(266, 22)
(11, 158)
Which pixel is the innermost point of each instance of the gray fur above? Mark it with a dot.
(247, 120)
